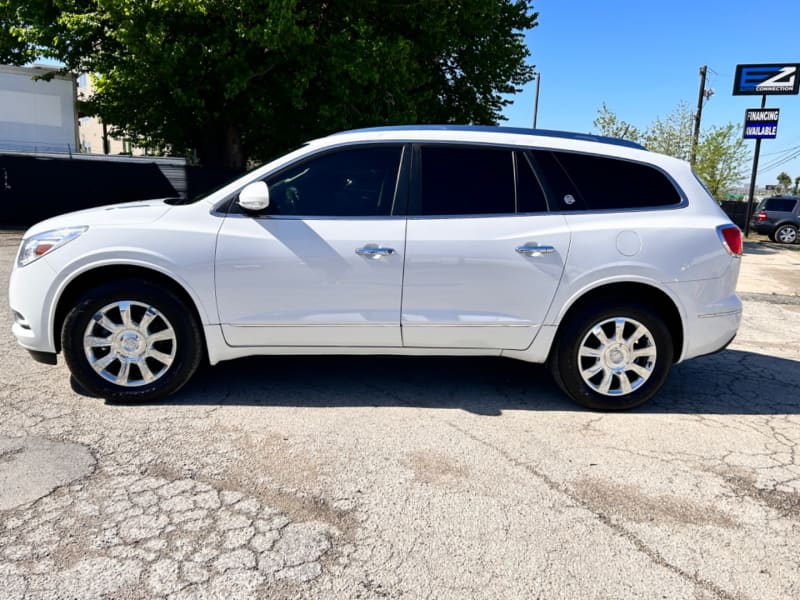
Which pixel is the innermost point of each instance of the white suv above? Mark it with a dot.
(607, 262)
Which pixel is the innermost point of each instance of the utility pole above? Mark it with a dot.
(536, 101)
(700, 96)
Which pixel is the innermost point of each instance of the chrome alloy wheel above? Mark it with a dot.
(786, 235)
(130, 343)
(617, 356)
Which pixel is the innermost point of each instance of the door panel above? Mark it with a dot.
(299, 282)
(467, 286)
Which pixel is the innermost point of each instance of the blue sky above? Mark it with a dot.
(642, 58)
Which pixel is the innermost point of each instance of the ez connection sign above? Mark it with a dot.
(761, 123)
(769, 80)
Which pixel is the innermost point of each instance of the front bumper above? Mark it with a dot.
(31, 296)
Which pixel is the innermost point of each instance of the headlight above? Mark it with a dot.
(40, 244)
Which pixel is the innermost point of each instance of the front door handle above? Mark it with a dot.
(374, 251)
(535, 250)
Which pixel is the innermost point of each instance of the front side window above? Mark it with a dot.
(351, 182)
(466, 181)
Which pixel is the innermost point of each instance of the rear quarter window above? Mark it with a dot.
(780, 204)
(588, 182)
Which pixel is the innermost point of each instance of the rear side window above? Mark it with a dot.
(587, 182)
(780, 204)
(530, 197)
(466, 181)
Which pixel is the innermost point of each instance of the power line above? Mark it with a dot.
(782, 150)
(779, 162)
(788, 155)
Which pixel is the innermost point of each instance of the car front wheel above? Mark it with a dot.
(612, 357)
(786, 234)
(131, 341)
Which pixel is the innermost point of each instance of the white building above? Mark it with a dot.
(37, 115)
(91, 128)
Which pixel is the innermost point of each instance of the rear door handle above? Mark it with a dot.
(535, 250)
(374, 251)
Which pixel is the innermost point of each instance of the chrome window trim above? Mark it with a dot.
(221, 208)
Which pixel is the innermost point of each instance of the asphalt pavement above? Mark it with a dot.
(394, 477)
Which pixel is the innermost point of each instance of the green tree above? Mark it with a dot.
(672, 135)
(796, 185)
(721, 151)
(784, 182)
(609, 124)
(239, 79)
(721, 158)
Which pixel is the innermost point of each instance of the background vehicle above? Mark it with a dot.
(778, 217)
(605, 261)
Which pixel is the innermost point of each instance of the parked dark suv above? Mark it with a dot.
(779, 218)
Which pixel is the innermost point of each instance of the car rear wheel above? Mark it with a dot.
(612, 357)
(786, 234)
(131, 341)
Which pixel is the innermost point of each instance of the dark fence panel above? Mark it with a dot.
(736, 211)
(35, 188)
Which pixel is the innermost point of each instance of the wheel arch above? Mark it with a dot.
(787, 222)
(784, 223)
(652, 297)
(109, 273)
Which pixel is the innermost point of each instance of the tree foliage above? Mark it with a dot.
(784, 182)
(608, 123)
(248, 78)
(721, 152)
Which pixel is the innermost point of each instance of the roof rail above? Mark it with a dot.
(589, 137)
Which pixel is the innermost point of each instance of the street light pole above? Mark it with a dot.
(536, 101)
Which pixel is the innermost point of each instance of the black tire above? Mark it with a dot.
(576, 334)
(786, 234)
(154, 313)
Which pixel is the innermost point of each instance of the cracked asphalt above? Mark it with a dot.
(380, 477)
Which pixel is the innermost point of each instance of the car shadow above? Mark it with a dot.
(731, 382)
(767, 248)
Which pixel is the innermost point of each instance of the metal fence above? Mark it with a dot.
(35, 187)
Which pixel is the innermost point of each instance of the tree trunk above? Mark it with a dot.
(223, 149)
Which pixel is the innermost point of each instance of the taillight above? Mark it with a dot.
(731, 238)
(762, 215)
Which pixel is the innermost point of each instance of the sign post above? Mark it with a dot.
(762, 123)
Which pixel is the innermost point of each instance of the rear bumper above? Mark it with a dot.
(713, 333)
(711, 314)
(761, 227)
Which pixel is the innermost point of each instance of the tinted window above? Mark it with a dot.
(598, 183)
(466, 181)
(562, 191)
(780, 204)
(357, 182)
(530, 197)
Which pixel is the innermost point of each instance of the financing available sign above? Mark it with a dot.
(761, 123)
(772, 79)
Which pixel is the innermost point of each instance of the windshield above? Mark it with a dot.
(202, 182)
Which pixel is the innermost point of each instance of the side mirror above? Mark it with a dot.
(254, 196)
